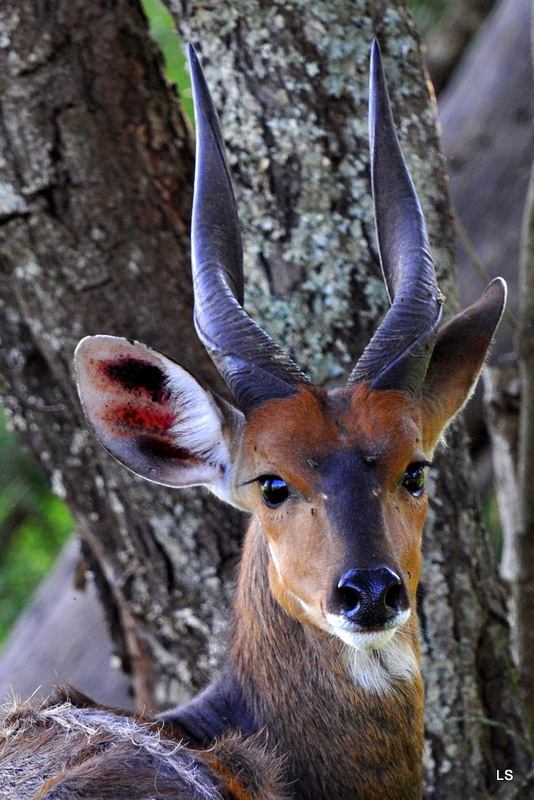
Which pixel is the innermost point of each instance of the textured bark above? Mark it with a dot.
(88, 251)
(501, 406)
(506, 408)
(524, 534)
(486, 115)
(96, 193)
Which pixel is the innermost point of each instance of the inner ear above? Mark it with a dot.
(153, 415)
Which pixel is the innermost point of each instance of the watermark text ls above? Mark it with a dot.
(505, 775)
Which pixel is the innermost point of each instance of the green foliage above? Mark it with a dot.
(492, 521)
(427, 13)
(34, 524)
(163, 30)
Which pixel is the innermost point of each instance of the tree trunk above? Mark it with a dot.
(523, 587)
(97, 170)
(486, 115)
(97, 176)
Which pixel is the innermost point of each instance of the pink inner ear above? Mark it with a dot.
(142, 400)
(127, 418)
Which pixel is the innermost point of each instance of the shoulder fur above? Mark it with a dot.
(69, 748)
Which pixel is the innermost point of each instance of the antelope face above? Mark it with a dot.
(337, 483)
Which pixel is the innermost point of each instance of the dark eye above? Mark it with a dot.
(274, 490)
(414, 478)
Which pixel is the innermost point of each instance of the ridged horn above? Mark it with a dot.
(398, 354)
(254, 367)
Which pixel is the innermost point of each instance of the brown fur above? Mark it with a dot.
(337, 739)
(310, 426)
(71, 749)
(342, 742)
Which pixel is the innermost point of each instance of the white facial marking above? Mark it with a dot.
(363, 640)
(376, 659)
(366, 641)
(275, 560)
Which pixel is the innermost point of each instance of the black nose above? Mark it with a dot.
(371, 597)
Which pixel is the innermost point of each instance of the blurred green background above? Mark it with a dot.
(34, 524)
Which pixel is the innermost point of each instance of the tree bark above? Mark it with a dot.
(97, 177)
(486, 115)
(96, 193)
(523, 587)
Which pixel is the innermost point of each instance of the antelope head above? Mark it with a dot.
(335, 480)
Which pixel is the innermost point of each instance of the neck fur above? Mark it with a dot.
(349, 723)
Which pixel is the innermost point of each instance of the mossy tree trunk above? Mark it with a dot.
(96, 188)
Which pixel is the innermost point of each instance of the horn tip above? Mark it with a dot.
(375, 51)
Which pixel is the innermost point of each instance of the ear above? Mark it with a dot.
(153, 416)
(461, 347)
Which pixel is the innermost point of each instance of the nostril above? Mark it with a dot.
(393, 597)
(371, 597)
(350, 596)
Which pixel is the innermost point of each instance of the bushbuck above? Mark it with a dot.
(321, 693)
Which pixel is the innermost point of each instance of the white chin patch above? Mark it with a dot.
(366, 641)
(377, 659)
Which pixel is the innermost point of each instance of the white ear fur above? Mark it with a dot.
(153, 415)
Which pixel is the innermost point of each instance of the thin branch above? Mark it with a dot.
(479, 267)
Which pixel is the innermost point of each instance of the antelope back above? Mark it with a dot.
(69, 748)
